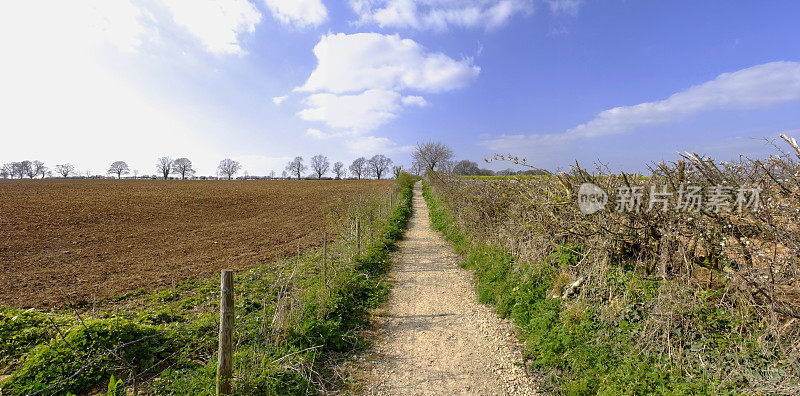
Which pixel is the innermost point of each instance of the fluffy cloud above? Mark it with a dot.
(438, 14)
(356, 62)
(300, 13)
(216, 23)
(759, 85)
(280, 99)
(361, 113)
(357, 84)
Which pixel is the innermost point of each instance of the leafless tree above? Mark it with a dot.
(183, 167)
(358, 167)
(397, 170)
(38, 169)
(466, 168)
(296, 167)
(283, 174)
(229, 167)
(65, 169)
(320, 165)
(378, 165)
(164, 166)
(27, 169)
(431, 156)
(135, 173)
(119, 168)
(338, 169)
(7, 171)
(271, 174)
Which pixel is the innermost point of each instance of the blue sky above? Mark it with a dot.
(260, 81)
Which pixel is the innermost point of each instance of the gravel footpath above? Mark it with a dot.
(435, 337)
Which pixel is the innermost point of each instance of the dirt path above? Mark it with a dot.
(437, 338)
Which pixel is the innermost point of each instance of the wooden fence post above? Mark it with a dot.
(226, 315)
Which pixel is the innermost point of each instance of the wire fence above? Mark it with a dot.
(270, 301)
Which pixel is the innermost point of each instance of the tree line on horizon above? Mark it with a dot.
(428, 156)
(377, 166)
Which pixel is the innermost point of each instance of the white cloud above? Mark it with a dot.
(218, 24)
(757, 86)
(279, 99)
(357, 84)
(300, 13)
(361, 112)
(356, 62)
(760, 85)
(438, 14)
(412, 100)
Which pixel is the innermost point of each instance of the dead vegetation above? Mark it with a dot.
(715, 276)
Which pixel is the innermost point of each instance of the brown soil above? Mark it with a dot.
(435, 337)
(106, 237)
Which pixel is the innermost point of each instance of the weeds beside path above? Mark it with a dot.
(436, 337)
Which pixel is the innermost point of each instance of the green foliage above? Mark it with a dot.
(93, 349)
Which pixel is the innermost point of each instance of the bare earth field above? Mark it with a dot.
(80, 238)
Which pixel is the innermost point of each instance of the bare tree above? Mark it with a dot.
(283, 174)
(229, 167)
(358, 167)
(164, 166)
(296, 167)
(431, 156)
(338, 169)
(183, 167)
(378, 165)
(27, 169)
(6, 171)
(119, 168)
(466, 168)
(320, 165)
(65, 169)
(135, 173)
(18, 170)
(271, 174)
(38, 169)
(397, 170)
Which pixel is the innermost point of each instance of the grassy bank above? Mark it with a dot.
(592, 343)
(296, 322)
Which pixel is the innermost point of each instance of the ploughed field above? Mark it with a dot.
(74, 240)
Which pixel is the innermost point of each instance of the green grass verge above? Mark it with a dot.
(175, 336)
